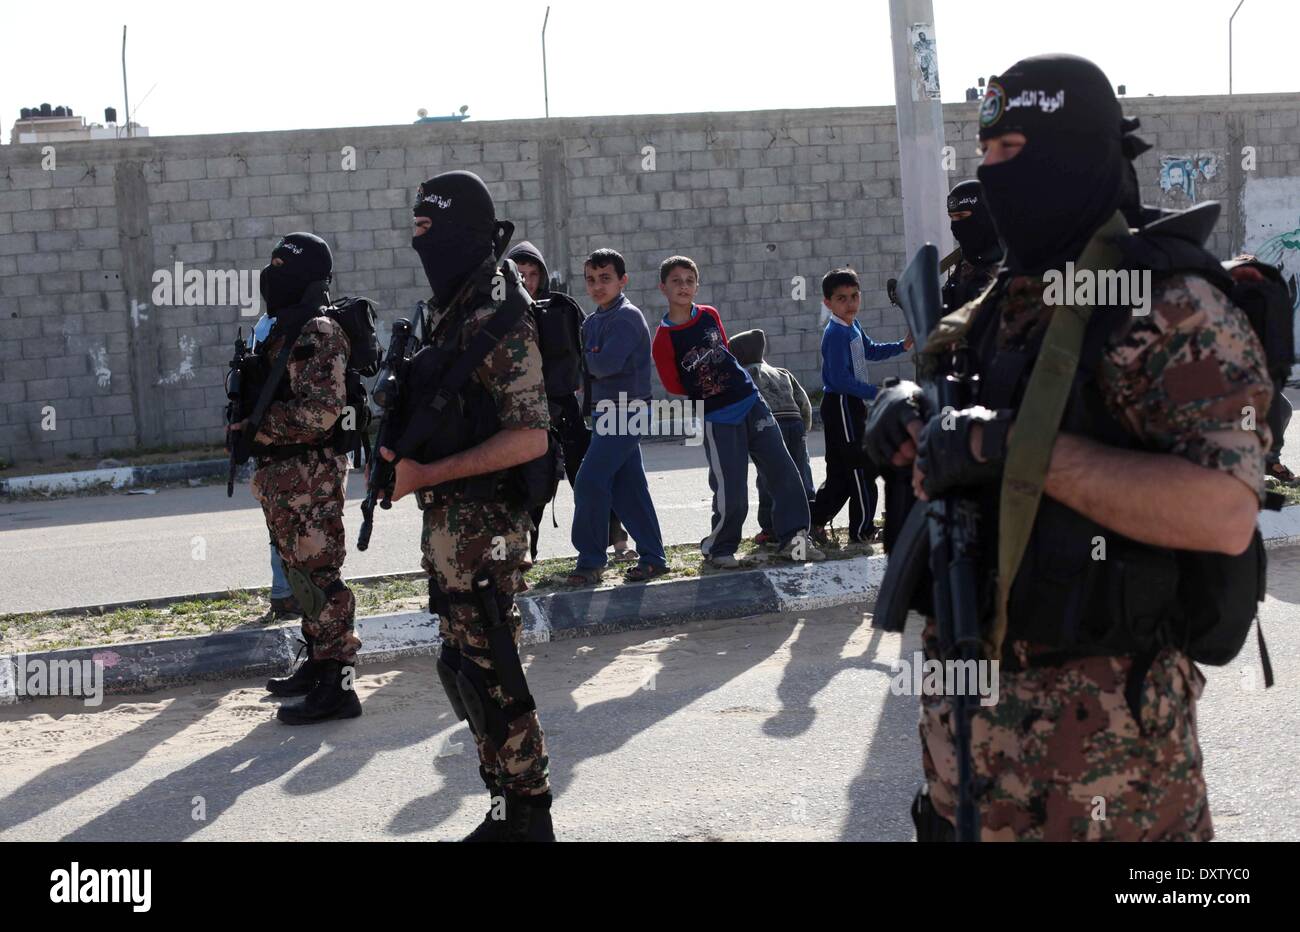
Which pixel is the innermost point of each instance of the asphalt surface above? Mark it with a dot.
(96, 549)
(778, 727)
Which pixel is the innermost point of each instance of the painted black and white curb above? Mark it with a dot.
(146, 665)
(116, 477)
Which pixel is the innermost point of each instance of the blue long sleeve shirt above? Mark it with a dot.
(845, 352)
(616, 348)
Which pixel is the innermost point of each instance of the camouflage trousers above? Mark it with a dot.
(1061, 758)
(302, 499)
(460, 539)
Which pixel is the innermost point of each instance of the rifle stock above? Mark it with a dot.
(953, 533)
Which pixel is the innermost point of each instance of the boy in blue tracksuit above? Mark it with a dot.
(845, 352)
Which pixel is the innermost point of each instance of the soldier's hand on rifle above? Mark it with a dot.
(960, 448)
(407, 474)
(894, 423)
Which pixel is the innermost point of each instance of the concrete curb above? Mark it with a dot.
(147, 665)
(118, 478)
(142, 666)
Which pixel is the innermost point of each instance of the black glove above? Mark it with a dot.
(944, 453)
(897, 404)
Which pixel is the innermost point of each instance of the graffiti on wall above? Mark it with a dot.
(1181, 172)
(1271, 212)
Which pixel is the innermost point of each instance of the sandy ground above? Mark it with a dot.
(779, 727)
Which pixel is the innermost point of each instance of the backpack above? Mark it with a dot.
(1268, 301)
(558, 321)
(358, 318)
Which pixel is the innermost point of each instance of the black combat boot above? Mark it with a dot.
(489, 829)
(528, 818)
(301, 680)
(328, 700)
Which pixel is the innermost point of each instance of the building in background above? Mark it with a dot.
(45, 124)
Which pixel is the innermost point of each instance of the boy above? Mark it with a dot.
(845, 351)
(559, 334)
(792, 410)
(616, 349)
(691, 355)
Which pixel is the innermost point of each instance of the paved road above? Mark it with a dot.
(111, 548)
(779, 727)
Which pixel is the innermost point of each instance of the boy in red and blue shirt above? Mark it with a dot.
(691, 355)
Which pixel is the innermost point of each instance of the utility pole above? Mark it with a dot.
(920, 126)
(546, 92)
(126, 101)
(1230, 19)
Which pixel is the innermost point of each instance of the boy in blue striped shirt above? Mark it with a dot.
(846, 349)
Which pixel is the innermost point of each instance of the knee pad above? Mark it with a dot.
(448, 666)
(930, 826)
(486, 718)
(311, 597)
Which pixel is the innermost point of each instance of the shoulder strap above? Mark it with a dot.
(502, 321)
(273, 378)
(1038, 421)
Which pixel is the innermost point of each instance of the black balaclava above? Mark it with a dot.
(461, 233)
(306, 259)
(1071, 175)
(976, 235)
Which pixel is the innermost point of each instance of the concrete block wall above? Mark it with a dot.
(756, 198)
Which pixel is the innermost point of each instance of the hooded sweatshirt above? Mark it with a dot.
(531, 253)
(559, 329)
(779, 388)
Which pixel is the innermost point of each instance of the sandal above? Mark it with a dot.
(1279, 472)
(626, 555)
(644, 572)
(580, 577)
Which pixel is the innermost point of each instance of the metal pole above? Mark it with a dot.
(545, 89)
(920, 126)
(1230, 18)
(126, 101)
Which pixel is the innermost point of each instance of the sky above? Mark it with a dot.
(239, 66)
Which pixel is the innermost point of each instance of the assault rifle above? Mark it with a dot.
(236, 384)
(387, 393)
(947, 528)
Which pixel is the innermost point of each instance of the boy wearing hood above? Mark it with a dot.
(792, 410)
(559, 325)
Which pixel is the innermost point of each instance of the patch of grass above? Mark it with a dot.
(1290, 493)
(684, 562)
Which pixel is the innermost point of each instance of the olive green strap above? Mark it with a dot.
(950, 260)
(1038, 420)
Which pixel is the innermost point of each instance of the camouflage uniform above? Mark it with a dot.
(302, 496)
(1061, 742)
(463, 537)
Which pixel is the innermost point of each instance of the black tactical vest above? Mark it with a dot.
(1139, 598)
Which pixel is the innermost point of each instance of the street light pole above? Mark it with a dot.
(1230, 19)
(546, 93)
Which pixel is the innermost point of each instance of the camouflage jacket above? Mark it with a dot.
(511, 373)
(315, 374)
(1188, 379)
